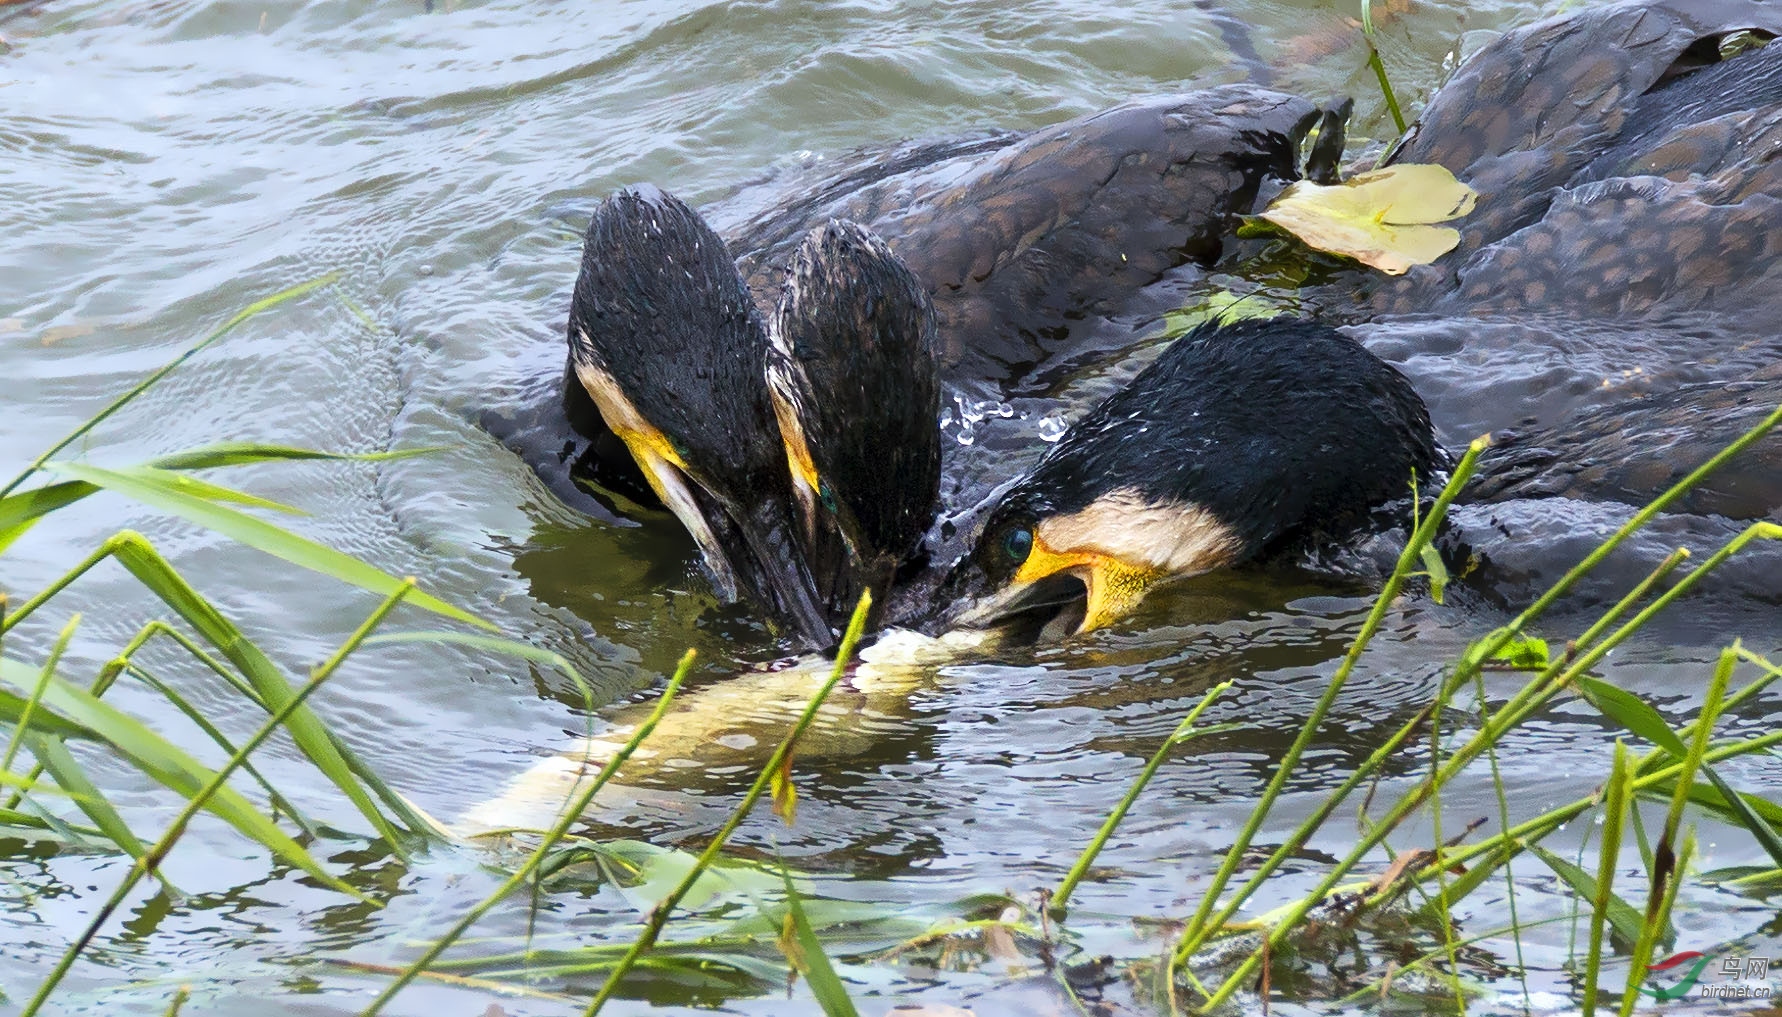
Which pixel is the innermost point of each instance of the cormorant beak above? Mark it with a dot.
(1108, 555)
(1093, 589)
(748, 548)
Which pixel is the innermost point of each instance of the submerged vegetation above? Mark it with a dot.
(714, 924)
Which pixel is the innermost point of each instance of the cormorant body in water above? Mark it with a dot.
(1006, 247)
(1238, 444)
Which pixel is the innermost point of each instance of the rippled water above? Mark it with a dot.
(168, 161)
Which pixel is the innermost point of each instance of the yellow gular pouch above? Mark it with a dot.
(1114, 587)
(648, 445)
(1123, 544)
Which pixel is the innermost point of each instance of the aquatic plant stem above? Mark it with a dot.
(572, 811)
(1666, 870)
(1379, 66)
(1643, 950)
(263, 304)
(1549, 683)
(664, 908)
(1616, 801)
(1183, 732)
(1199, 926)
(36, 698)
(1503, 820)
(152, 859)
(1391, 745)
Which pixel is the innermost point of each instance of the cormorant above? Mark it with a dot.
(1239, 443)
(1003, 248)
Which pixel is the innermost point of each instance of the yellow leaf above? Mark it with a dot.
(1384, 218)
(785, 793)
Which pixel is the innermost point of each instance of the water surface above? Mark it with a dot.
(168, 161)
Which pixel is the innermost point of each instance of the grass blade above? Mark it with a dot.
(307, 731)
(1631, 712)
(244, 453)
(204, 797)
(660, 914)
(1623, 918)
(1616, 802)
(23, 725)
(151, 490)
(264, 304)
(18, 512)
(572, 811)
(1183, 732)
(804, 950)
(70, 777)
(1764, 833)
(172, 768)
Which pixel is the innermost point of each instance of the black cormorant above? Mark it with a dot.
(1004, 247)
(1238, 443)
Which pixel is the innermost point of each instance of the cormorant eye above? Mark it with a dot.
(1018, 544)
(825, 495)
(680, 447)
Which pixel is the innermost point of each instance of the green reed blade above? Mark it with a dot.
(1183, 732)
(1631, 712)
(1204, 922)
(23, 724)
(804, 951)
(18, 512)
(221, 740)
(155, 491)
(206, 796)
(1605, 904)
(1661, 910)
(149, 382)
(135, 553)
(72, 778)
(245, 453)
(170, 766)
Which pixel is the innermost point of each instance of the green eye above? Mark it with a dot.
(826, 496)
(1018, 544)
(680, 447)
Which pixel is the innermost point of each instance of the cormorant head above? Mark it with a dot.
(1240, 442)
(666, 340)
(854, 377)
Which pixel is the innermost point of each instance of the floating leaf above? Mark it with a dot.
(1383, 218)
